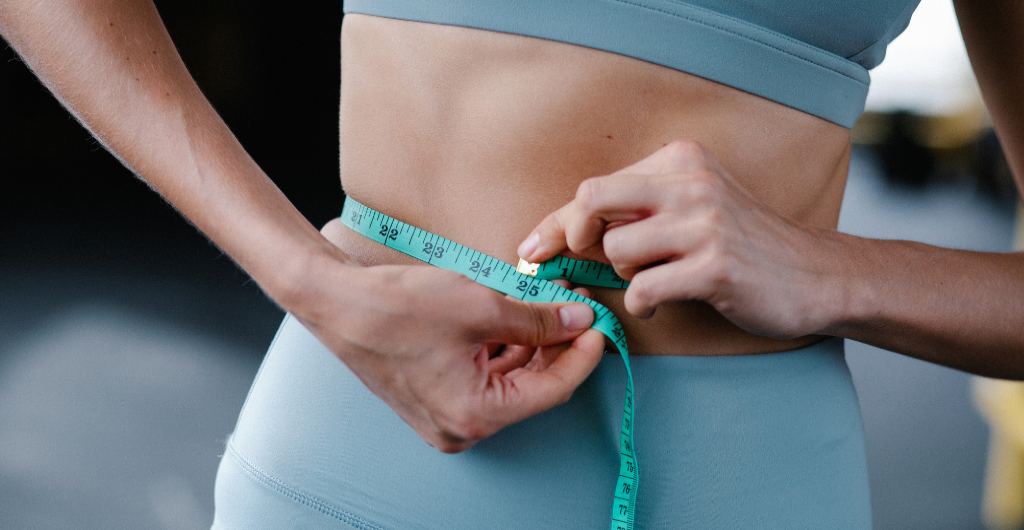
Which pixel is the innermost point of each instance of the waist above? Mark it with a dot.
(477, 135)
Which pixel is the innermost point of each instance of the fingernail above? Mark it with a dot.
(576, 316)
(527, 247)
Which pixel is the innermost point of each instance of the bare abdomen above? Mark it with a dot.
(478, 135)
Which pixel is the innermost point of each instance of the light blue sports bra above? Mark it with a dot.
(812, 55)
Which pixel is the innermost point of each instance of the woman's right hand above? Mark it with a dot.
(425, 340)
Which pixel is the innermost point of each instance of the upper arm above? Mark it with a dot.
(993, 32)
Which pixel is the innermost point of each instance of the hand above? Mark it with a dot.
(679, 227)
(456, 360)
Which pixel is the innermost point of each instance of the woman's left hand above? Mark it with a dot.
(679, 227)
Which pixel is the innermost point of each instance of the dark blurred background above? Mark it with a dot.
(82, 225)
(129, 340)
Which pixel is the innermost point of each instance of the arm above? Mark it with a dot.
(431, 358)
(994, 37)
(679, 227)
(113, 65)
(962, 309)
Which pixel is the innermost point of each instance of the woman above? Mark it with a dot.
(700, 148)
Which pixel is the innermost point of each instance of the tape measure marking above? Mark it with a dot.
(531, 283)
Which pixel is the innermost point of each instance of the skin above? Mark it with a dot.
(113, 65)
(518, 135)
(501, 130)
(681, 227)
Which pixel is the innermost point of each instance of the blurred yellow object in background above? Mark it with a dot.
(1002, 404)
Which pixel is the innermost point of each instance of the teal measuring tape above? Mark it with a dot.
(531, 283)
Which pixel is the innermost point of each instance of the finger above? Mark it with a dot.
(602, 202)
(546, 240)
(660, 237)
(543, 356)
(561, 282)
(579, 225)
(527, 357)
(583, 291)
(512, 357)
(535, 323)
(515, 355)
(690, 278)
(523, 393)
(450, 443)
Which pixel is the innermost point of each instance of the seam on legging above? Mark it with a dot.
(322, 506)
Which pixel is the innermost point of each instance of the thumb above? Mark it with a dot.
(539, 324)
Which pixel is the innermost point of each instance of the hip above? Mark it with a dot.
(771, 441)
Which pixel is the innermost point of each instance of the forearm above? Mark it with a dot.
(952, 307)
(957, 308)
(113, 65)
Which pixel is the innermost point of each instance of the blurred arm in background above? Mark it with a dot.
(994, 34)
(995, 43)
(953, 307)
(113, 65)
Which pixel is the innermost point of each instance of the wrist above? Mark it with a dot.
(849, 293)
(297, 280)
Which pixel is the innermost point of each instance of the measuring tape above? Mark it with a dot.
(529, 282)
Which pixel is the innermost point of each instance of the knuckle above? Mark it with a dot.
(564, 396)
(710, 225)
(462, 424)
(613, 243)
(640, 286)
(472, 431)
(540, 323)
(587, 193)
(436, 439)
(448, 447)
(674, 190)
(575, 240)
(685, 149)
(701, 188)
(715, 249)
(624, 272)
(720, 267)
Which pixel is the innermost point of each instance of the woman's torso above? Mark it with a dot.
(477, 135)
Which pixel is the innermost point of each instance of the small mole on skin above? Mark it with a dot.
(111, 24)
(154, 52)
(610, 137)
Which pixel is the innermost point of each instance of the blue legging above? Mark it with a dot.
(750, 441)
